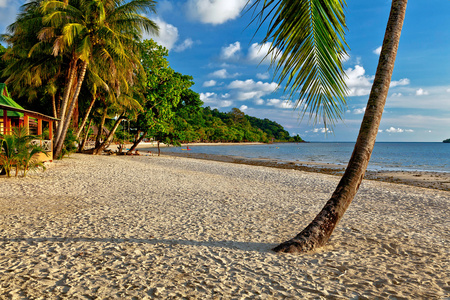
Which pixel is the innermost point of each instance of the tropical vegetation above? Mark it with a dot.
(446, 141)
(19, 153)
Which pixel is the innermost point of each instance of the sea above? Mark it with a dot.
(386, 156)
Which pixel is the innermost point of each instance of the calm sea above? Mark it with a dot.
(386, 156)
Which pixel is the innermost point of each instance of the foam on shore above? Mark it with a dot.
(170, 227)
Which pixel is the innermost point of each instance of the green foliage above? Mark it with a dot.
(193, 123)
(446, 141)
(18, 151)
(162, 90)
(307, 48)
(70, 144)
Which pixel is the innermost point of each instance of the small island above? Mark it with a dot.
(446, 141)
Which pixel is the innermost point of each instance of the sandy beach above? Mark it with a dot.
(149, 227)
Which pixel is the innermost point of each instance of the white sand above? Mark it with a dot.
(169, 228)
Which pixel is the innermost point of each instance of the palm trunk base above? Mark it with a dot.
(304, 242)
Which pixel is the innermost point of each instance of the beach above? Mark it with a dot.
(168, 227)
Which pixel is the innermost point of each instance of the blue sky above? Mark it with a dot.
(212, 41)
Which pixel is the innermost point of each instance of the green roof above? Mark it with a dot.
(5, 99)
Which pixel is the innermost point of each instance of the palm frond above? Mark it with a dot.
(307, 45)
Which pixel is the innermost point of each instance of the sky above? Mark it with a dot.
(215, 42)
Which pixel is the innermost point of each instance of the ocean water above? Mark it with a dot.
(386, 156)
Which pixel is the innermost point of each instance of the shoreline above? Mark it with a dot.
(431, 180)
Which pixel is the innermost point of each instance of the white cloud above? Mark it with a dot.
(421, 92)
(280, 103)
(215, 100)
(359, 111)
(448, 90)
(214, 11)
(257, 53)
(377, 51)
(249, 89)
(259, 101)
(319, 130)
(263, 76)
(222, 73)
(187, 43)
(398, 130)
(168, 34)
(243, 107)
(225, 103)
(358, 83)
(231, 51)
(209, 83)
(404, 81)
(380, 130)
(397, 94)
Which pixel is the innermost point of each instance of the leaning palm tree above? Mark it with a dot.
(110, 28)
(81, 32)
(307, 48)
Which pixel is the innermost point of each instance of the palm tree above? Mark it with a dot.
(111, 29)
(83, 32)
(308, 45)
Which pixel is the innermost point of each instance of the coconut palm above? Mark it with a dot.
(81, 32)
(307, 46)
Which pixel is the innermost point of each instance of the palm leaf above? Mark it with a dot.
(307, 47)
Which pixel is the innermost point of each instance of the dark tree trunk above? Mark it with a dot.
(100, 128)
(319, 231)
(159, 150)
(86, 116)
(86, 135)
(136, 143)
(102, 146)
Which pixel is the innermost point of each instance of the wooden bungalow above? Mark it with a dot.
(14, 115)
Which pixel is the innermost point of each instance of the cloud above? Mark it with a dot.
(231, 52)
(398, 130)
(319, 130)
(257, 53)
(164, 6)
(421, 92)
(188, 43)
(222, 73)
(251, 90)
(168, 34)
(215, 100)
(209, 83)
(359, 111)
(280, 103)
(263, 76)
(404, 81)
(397, 95)
(358, 83)
(214, 11)
(377, 51)
(259, 102)
(243, 107)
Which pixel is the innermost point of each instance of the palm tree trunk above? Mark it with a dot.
(83, 123)
(66, 95)
(136, 143)
(319, 231)
(102, 146)
(66, 122)
(86, 135)
(100, 128)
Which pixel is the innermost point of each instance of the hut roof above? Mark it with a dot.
(5, 99)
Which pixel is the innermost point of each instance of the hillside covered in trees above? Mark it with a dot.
(203, 124)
